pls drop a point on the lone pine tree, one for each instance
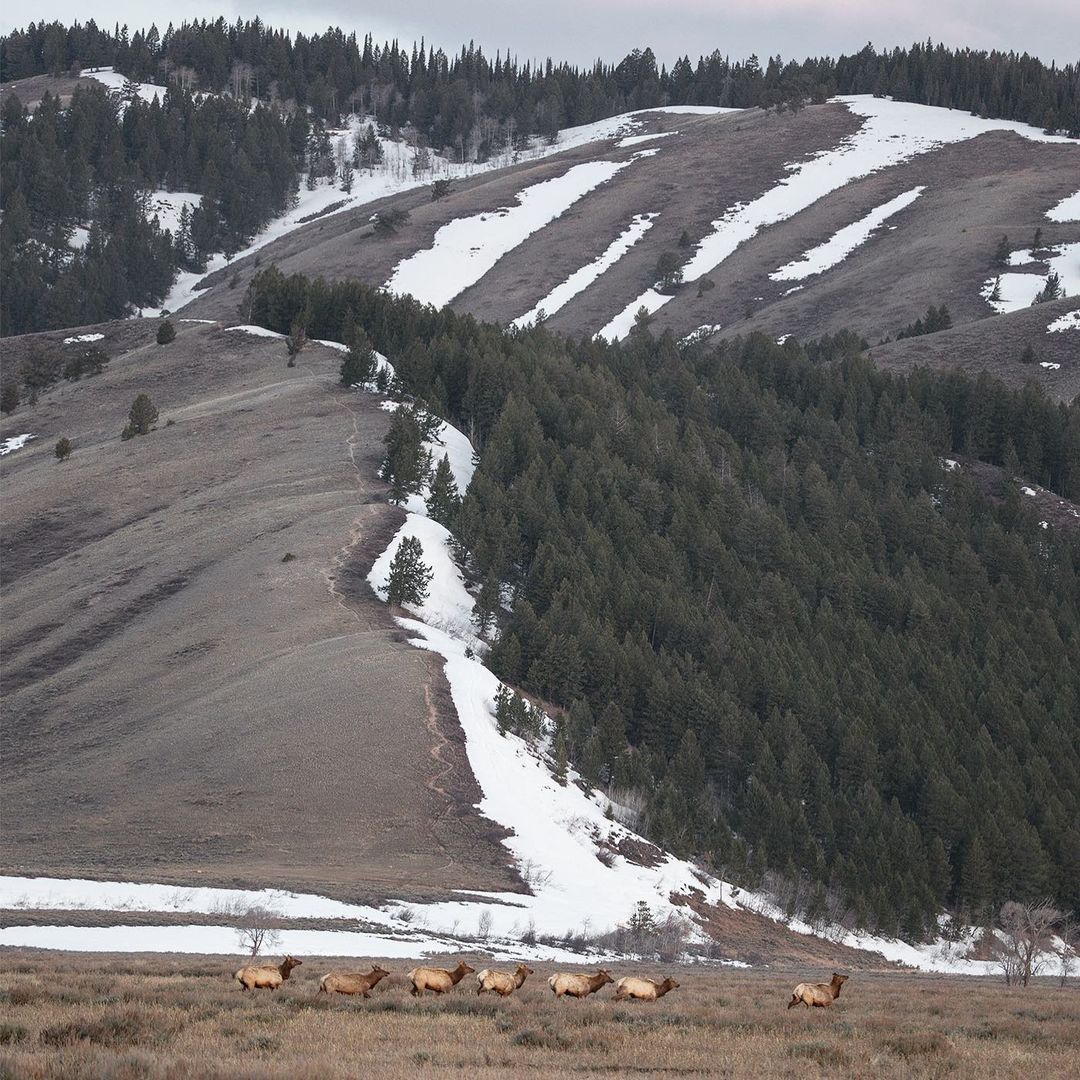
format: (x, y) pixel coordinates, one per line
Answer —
(166, 332)
(410, 576)
(141, 418)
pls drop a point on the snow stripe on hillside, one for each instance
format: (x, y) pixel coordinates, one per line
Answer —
(893, 132)
(465, 249)
(16, 442)
(582, 278)
(844, 241)
(633, 140)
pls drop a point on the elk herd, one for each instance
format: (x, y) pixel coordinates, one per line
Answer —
(504, 983)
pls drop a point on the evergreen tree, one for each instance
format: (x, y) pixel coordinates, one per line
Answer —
(141, 418)
(487, 604)
(410, 576)
(1002, 252)
(166, 332)
(443, 499)
(63, 448)
(9, 396)
(359, 364)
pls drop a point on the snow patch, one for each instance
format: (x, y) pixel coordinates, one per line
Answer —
(843, 242)
(1018, 290)
(465, 249)
(167, 206)
(633, 140)
(16, 442)
(1066, 210)
(79, 238)
(115, 81)
(1069, 321)
(78, 339)
(1049, 365)
(254, 331)
(582, 278)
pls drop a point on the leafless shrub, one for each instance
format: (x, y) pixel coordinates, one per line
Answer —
(483, 929)
(1026, 937)
(256, 925)
(535, 876)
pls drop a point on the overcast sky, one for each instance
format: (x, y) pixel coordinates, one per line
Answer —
(582, 30)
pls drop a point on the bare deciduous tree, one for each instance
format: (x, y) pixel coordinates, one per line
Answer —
(256, 926)
(1026, 938)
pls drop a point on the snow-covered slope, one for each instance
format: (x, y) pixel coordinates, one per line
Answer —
(892, 132)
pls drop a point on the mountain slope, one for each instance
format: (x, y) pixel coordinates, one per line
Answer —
(812, 174)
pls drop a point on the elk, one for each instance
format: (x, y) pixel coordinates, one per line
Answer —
(819, 995)
(267, 977)
(578, 986)
(502, 982)
(643, 989)
(351, 982)
(437, 979)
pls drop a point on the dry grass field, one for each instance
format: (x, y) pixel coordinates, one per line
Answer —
(76, 1016)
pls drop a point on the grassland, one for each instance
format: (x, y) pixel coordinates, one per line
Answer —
(82, 1016)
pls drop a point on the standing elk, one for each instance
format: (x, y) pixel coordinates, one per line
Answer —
(578, 986)
(643, 989)
(266, 977)
(503, 983)
(819, 995)
(351, 982)
(437, 979)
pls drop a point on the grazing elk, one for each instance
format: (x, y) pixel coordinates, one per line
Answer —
(267, 977)
(503, 983)
(819, 995)
(578, 986)
(437, 979)
(643, 989)
(351, 982)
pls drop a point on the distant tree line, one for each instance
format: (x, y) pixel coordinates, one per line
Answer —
(752, 596)
(476, 104)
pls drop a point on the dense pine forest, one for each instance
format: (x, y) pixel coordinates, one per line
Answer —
(91, 165)
(470, 102)
(759, 602)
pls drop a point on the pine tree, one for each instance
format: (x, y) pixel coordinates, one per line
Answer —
(296, 341)
(1002, 252)
(410, 577)
(63, 448)
(487, 604)
(359, 364)
(141, 418)
(561, 756)
(995, 292)
(503, 718)
(1051, 290)
(443, 499)
(166, 332)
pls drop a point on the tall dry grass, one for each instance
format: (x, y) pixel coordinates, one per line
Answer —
(180, 1017)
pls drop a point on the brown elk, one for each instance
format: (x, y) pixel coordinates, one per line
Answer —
(503, 983)
(266, 977)
(437, 979)
(351, 982)
(818, 995)
(643, 989)
(578, 986)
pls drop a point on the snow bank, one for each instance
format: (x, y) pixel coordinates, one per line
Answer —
(80, 338)
(1018, 289)
(115, 81)
(634, 140)
(843, 242)
(1069, 321)
(582, 278)
(254, 331)
(166, 206)
(79, 238)
(1066, 210)
(893, 132)
(16, 442)
(465, 249)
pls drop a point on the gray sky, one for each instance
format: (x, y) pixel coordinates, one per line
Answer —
(582, 30)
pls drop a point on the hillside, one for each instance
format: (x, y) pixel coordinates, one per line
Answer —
(754, 192)
(180, 701)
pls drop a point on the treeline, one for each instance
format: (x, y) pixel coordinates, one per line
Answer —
(93, 165)
(760, 604)
(476, 104)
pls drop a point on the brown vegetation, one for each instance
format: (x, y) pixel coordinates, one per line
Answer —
(344, 982)
(266, 977)
(85, 1017)
(819, 995)
(578, 986)
(438, 980)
